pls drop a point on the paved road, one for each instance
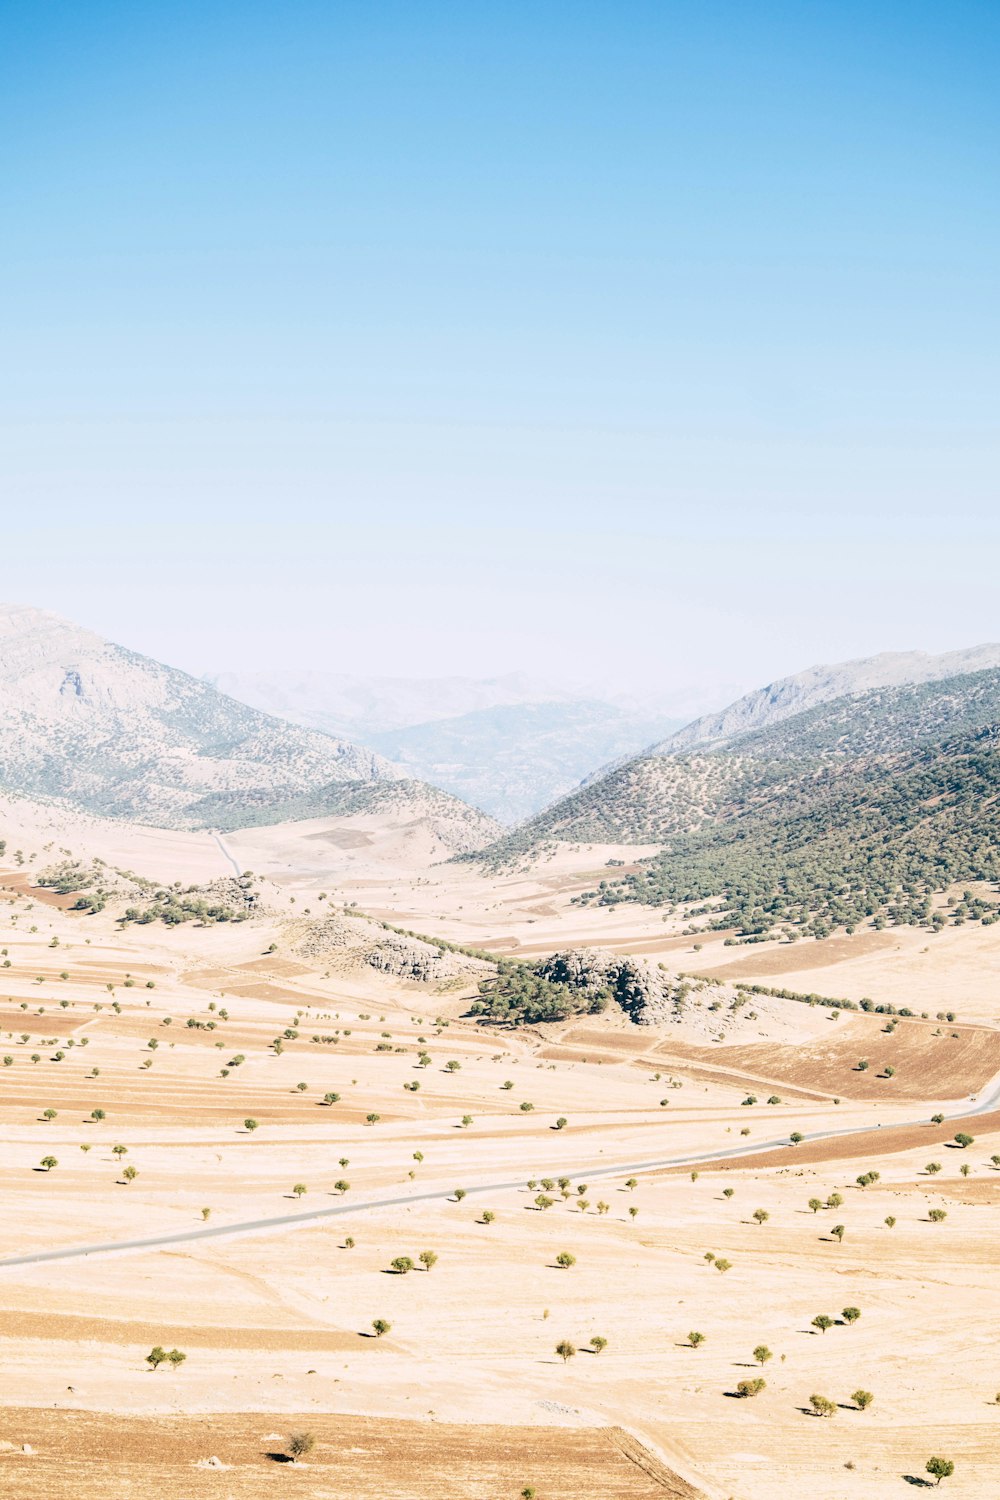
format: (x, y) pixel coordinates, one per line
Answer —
(988, 1099)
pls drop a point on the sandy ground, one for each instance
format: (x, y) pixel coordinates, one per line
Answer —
(277, 1327)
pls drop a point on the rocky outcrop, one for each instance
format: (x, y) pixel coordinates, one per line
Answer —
(649, 994)
(359, 941)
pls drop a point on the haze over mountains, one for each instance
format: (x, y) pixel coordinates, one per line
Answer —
(112, 732)
(510, 745)
(823, 800)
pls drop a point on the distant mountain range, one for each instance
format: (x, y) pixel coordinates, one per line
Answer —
(509, 745)
(826, 799)
(108, 731)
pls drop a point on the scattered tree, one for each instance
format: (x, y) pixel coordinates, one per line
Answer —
(299, 1444)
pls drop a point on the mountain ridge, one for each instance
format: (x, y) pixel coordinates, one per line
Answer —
(109, 731)
(509, 745)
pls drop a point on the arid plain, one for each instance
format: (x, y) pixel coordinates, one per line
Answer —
(464, 1394)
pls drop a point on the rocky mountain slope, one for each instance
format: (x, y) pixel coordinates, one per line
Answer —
(108, 731)
(860, 808)
(805, 690)
(509, 745)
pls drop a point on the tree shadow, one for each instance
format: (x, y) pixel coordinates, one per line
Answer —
(920, 1484)
(281, 1458)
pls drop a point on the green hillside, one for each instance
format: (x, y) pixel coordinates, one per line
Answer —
(873, 837)
(860, 808)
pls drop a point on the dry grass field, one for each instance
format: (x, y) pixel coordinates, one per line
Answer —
(465, 1394)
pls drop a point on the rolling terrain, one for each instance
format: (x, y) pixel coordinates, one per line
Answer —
(486, 1182)
(298, 1118)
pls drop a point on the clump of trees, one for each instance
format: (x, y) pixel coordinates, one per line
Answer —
(519, 995)
(747, 1388)
(159, 1356)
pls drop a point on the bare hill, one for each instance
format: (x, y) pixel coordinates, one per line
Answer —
(108, 731)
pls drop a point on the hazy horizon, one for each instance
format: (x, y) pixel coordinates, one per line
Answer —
(651, 347)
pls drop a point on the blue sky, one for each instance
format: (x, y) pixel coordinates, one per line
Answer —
(624, 342)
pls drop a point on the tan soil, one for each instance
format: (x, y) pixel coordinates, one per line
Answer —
(89, 1456)
(466, 1391)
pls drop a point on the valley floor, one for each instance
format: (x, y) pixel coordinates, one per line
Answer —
(465, 1394)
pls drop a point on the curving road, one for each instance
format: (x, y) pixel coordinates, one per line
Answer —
(987, 1100)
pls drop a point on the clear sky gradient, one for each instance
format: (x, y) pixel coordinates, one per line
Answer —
(639, 343)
